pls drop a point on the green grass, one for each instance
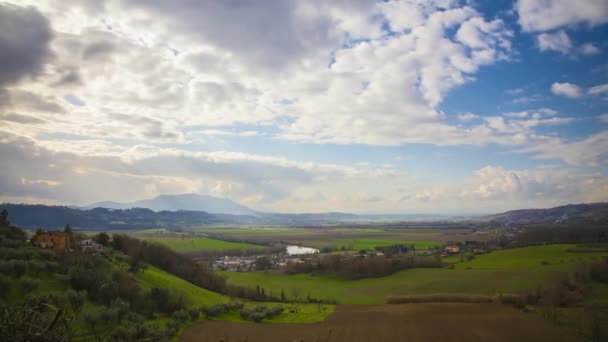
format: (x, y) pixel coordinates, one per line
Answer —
(195, 296)
(505, 271)
(371, 243)
(201, 243)
(409, 282)
(528, 257)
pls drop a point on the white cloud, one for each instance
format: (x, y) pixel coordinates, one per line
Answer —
(546, 15)
(589, 49)
(598, 90)
(566, 89)
(590, 151)
(558, 41)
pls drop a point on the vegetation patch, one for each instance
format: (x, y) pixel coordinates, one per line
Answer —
(189, 244)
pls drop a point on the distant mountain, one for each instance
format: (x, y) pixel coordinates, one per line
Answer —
(592, 212)
(187, 202)
(55, 217)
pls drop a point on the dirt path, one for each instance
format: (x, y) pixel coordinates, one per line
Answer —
(407, 322)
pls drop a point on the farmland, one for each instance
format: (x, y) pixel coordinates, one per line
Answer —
(506, 271)
(349, 239)
(190, 244)
(459, 322)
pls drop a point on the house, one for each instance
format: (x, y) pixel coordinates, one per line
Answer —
(52, 240)
(452, 249)
(89, 245)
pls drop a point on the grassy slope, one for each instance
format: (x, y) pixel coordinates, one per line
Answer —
(505, 271)
(200, 243)
(196, 296)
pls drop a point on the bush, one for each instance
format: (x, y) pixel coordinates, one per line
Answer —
(218, 309)
(181, 315)
(29, 284)
(5, 285)
(261, 312)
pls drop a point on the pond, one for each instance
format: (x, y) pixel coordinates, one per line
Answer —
(298, 250)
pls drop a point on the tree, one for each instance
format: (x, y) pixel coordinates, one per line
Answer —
(67, 229)
(102, 238)
(4, 218)
(263, 263)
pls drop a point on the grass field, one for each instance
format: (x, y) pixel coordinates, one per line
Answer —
(413, 281)
(331, 236)
(196, 296)
(369, 243)
(506, 271)
(528, 257)
(189, 244)
(419, 322)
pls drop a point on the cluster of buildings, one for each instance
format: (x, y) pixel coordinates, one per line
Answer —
(248, 264)
(62, 241)
(235, 264)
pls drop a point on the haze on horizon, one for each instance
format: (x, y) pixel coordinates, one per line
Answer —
(407, 106)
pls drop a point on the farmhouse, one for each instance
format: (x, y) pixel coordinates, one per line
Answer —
(452, 249)
(52, 240)
(89, 245)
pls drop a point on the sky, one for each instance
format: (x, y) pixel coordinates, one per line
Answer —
(409, 106)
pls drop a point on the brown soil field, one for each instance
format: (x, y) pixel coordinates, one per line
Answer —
(404, 322)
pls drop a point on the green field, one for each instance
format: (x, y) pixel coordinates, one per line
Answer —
(528, 257)
(506, 271)
(189, 244)
(370, 243)
(196, 296)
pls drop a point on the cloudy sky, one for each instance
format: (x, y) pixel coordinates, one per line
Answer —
(408, 106)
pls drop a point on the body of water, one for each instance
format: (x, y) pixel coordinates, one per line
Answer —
(298, 250)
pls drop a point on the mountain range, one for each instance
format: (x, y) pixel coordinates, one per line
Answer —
(184, 202)
(126, 216)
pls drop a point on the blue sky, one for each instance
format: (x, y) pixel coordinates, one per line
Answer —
(410, 106)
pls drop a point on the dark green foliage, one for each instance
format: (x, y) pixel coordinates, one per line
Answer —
(5, 285)
(67, 229)
(598, 271)
(194, 314)
(28, 284)
(19, 268)
(181, 315)
(260, 312)
(102, 239)
(170, 261)
(263, 263)
(355, 267)
(166, 301)
(76, 299)
(35, 320)
(215, 310)
(36, 266)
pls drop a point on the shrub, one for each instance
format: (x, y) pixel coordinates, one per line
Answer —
(5, 285)
(181, 315)
(19, 268)
(29, 284)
